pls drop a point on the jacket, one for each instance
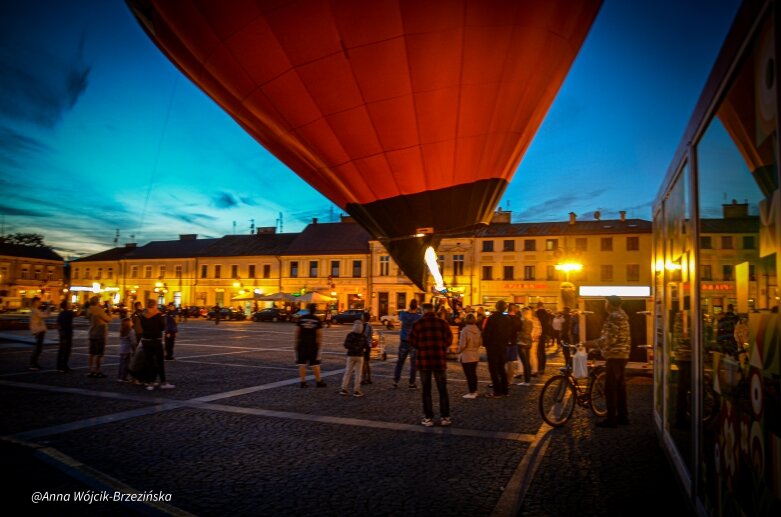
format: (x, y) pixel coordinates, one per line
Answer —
(37, 323)
(431, 337)
(355, 343)
(469, 342)
(98, 321)
(615, 341)
(498, 331)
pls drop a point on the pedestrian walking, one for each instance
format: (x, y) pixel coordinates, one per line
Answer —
(368, 334)
(38, 329)
(126, 339)
(469, 342)
(408, 319)
(431, 337)
(614, 343)
(308, 345)
(171, 328)
(496, 335)
(65, 329)
(355, 344)
(152, 343)
(99, 318)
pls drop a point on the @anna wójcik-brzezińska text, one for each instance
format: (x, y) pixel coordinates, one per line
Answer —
(91, 496)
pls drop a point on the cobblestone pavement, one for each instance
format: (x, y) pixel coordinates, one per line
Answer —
(238, 436)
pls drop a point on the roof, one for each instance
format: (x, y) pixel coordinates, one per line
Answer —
(610, 226)
(244, 245)
(171, 249)
(107, 255)
(32, 252)
(330, 238)
(748, 224)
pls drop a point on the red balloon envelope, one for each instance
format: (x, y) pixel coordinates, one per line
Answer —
(407, 114)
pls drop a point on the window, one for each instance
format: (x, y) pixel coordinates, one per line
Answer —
(550, 273)
(251, 271)
(312, 269)
(633, 272)
(384, 265)
(49, 273)
(706, 243)
(294, 269)
(26, 272)
(529, 245)
(727, 272)
(266, 270)
(606, 244)
(508, 245)
(87, 273)
(488, 272)
(133, 271)
(726, 242)
(632, 243)
(234, 271)
(204, 271)
(581, 244)
(98, 274)
(749, 242)
(707, 272)
(335, 268)
(528, 272)
(162, 272)
(509, 273)
(147, 271)
(217, 271)
(752, 276)
(110, 272)
(75, 275)
(441, 263)
(488, 245)
(356, 268)
(551, 244)
(606, 273)
(458, 265)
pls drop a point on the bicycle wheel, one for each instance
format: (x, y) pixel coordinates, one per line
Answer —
(598, 402)
(557, 401)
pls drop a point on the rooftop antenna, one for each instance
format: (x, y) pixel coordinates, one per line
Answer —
(279, 222)
(234, 227)
(331, 217)
(251, 226)
(116, 238)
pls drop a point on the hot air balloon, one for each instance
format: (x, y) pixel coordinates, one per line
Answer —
(410, 115)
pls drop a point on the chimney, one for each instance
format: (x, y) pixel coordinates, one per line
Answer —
(502, 216)
(622, 213)
(314, 220)
(597, 215)
(572, 218)
(735, 210)
(188, 237)
(265, 230)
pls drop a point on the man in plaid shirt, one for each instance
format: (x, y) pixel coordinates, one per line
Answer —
(431, 337)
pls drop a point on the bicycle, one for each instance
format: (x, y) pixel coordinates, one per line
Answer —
(561, 392)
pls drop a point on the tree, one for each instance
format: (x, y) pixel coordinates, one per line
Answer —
(25, 239)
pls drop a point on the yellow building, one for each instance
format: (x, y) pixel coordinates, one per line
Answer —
(27, 272)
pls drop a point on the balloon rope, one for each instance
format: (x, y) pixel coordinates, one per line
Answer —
(157, 153)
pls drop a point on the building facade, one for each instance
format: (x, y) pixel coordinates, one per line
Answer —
(27, 272)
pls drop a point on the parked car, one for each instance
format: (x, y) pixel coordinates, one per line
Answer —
(348, 316)
(227, 313)
(197, 312)
(270, 314)
(294, 317)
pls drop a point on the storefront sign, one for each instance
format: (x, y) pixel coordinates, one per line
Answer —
(717, 287)
(525, 286)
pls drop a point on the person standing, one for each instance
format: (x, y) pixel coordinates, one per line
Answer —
(556, 324)
(431, 337)
(544, 319)
(217, 314)
(408, 319)
(525, 345)
(496, 336)
(65, 328)
(512, 361)
(38, 330)
(309, 344)
(355, 344)
(125, 348)
(469, 342)
(138, 309)
(614, 343)
(99, 318)
(566, 336)
(368, 333)
(152, 342)
(171, 328)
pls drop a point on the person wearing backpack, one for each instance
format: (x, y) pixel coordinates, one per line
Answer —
(355, 343)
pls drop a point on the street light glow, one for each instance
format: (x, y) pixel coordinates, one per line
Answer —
(569, 266)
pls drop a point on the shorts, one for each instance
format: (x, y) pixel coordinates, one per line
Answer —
(97, 346)
(307, 353)
(512, 353)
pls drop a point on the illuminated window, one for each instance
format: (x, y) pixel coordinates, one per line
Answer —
(551, 244)
(335, 268)
(312, 269)
(294, 269)
(384, 265)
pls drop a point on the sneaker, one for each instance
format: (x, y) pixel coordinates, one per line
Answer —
(427, 422)
(321, 384)
(523, 384)
(469, 396)
(358, 394)
(446, 421)
(167, 386)
(344, 392)
(304, 385)
(413, 386)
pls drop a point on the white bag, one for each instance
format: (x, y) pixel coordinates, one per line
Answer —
(580, 363)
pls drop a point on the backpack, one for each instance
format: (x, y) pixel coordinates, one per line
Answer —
(354, 343)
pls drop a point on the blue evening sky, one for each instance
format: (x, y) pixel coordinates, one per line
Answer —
(99, 132)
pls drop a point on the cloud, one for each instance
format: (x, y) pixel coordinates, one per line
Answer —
(248, 201)
(224, 200)
(555, 207)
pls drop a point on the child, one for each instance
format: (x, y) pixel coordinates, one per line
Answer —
(355, 343)
(125, 348)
